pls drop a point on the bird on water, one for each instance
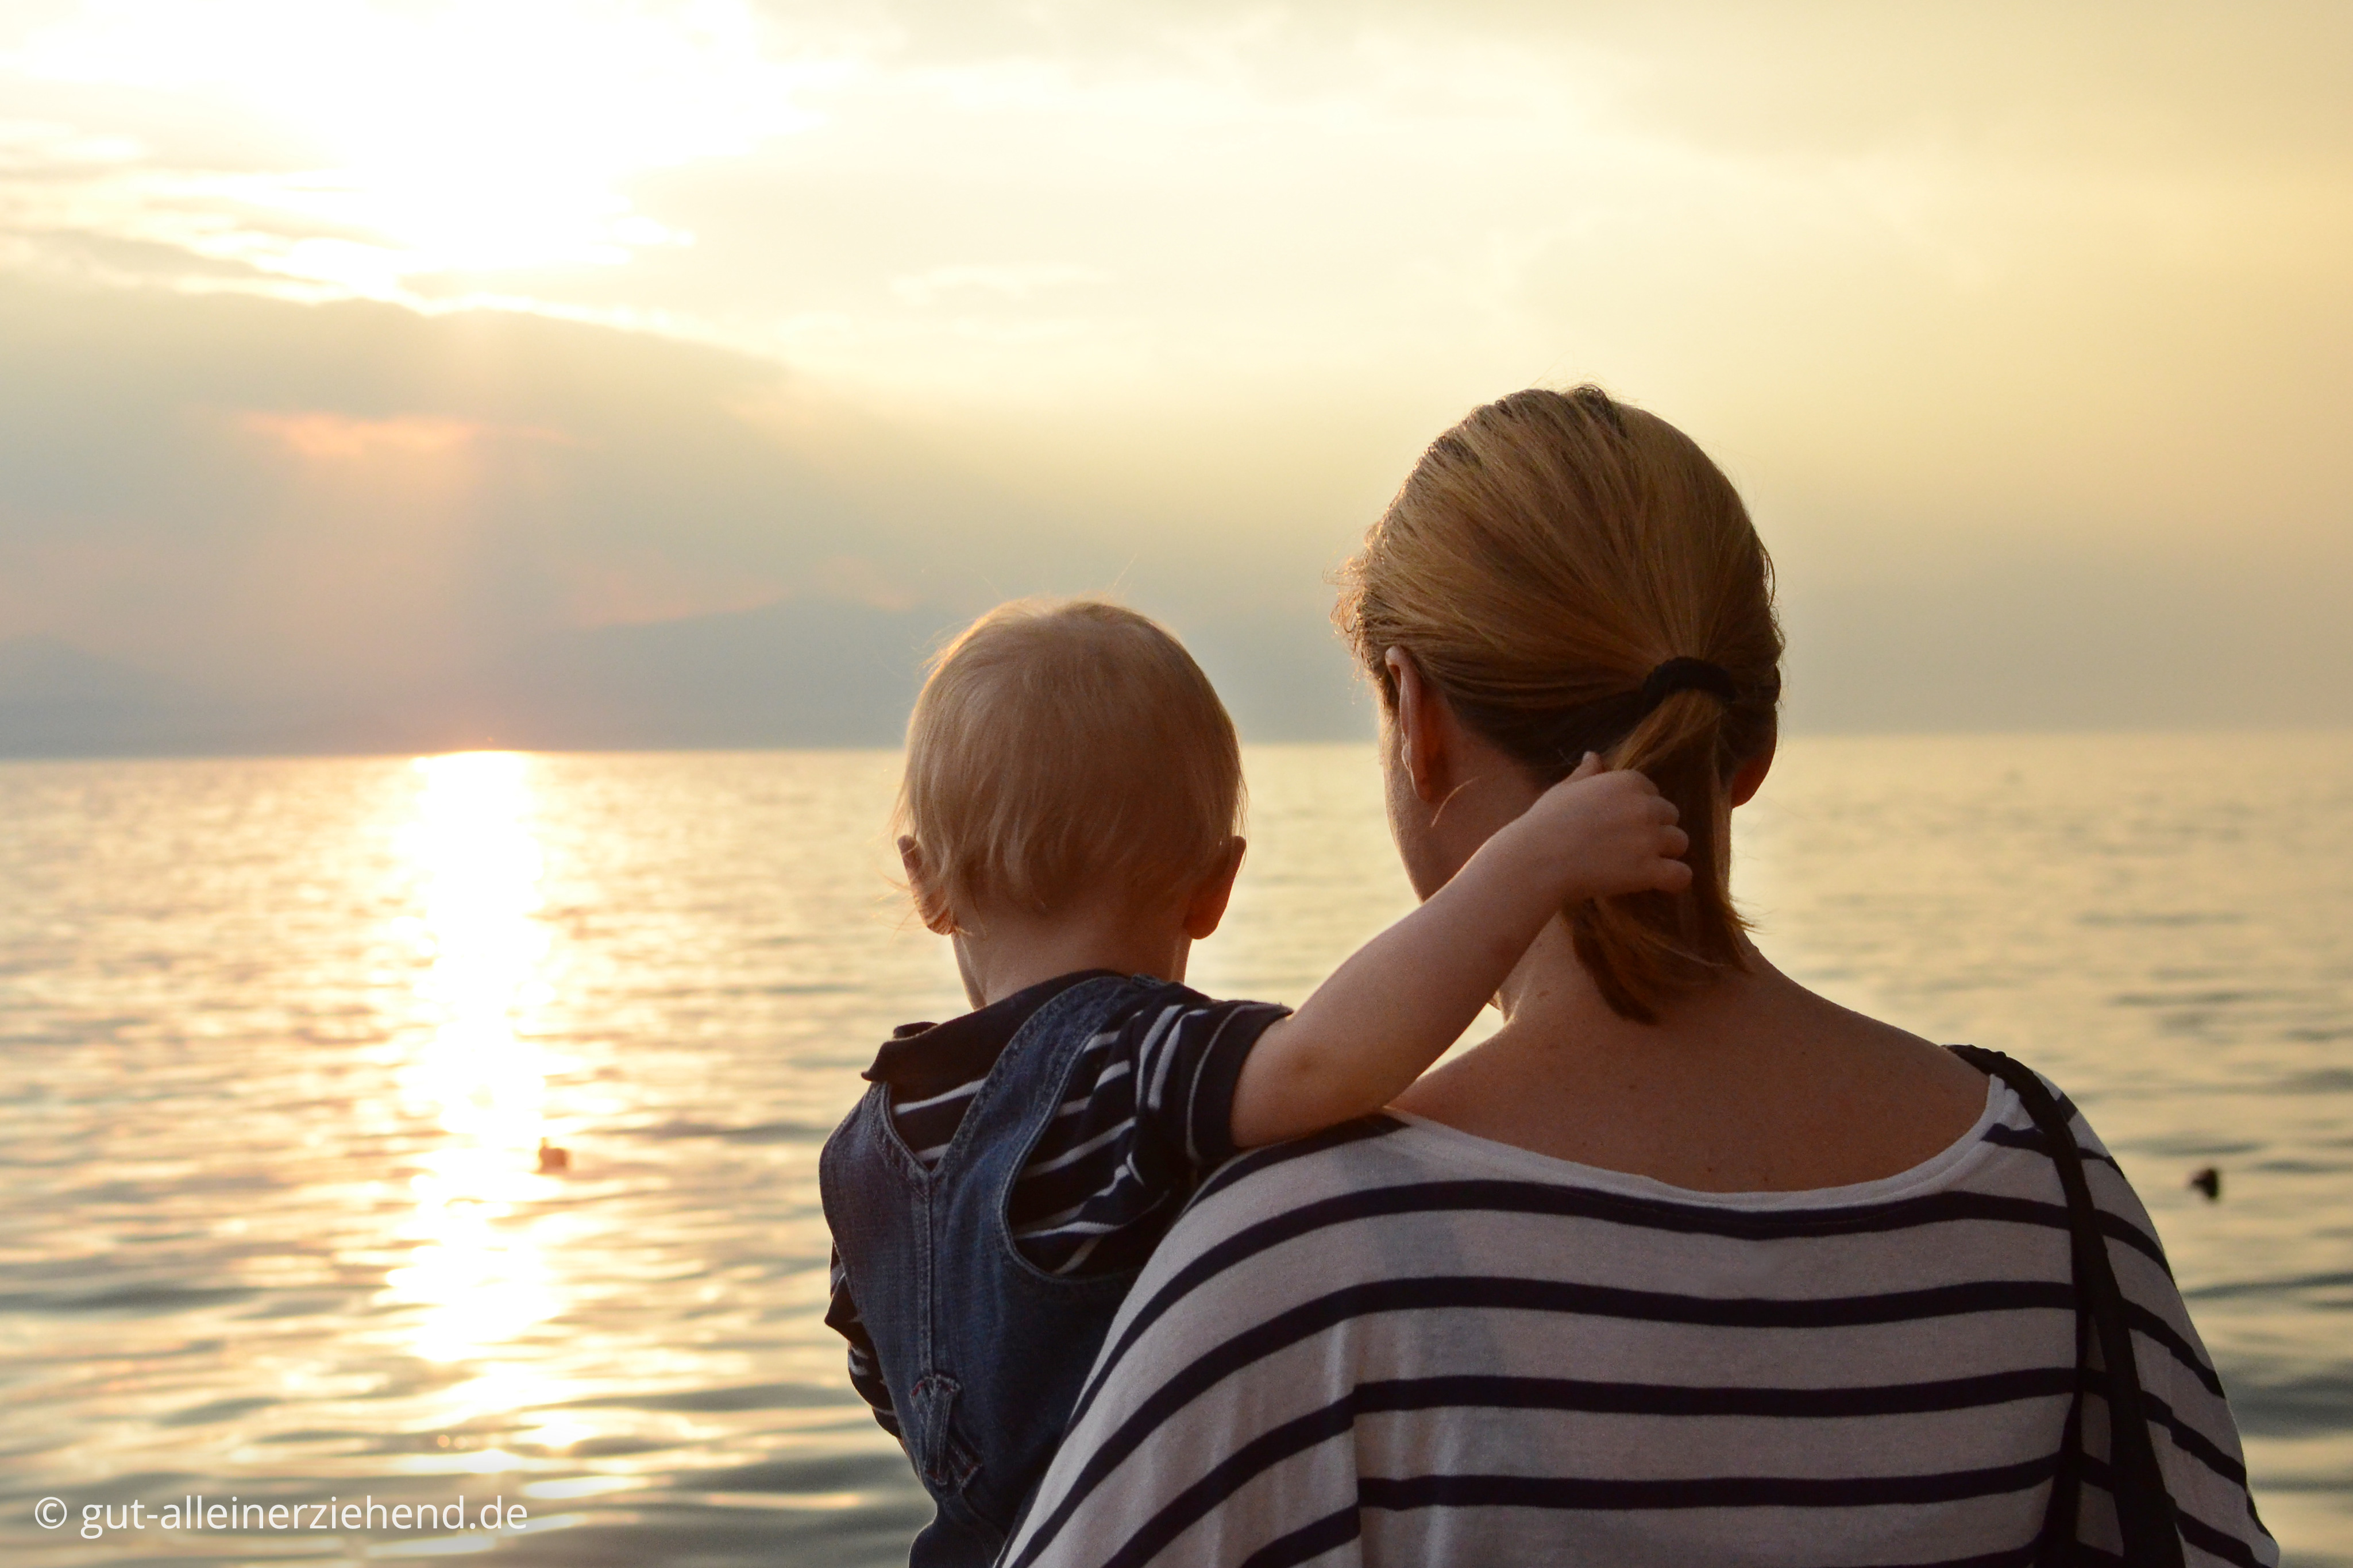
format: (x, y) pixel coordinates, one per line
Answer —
(553, 1159)
(2210, 1181)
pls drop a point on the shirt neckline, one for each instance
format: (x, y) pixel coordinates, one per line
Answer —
(923, 1055)
(1941, 1168)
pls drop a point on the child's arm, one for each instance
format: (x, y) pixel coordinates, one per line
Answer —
(1403, 997)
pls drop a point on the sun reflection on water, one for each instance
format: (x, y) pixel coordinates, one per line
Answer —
(476, 1266)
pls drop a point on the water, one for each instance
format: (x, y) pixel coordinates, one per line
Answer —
(279, 1040)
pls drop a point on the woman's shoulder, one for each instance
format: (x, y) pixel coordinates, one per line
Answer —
(1770, 1088)
(1395, 1281)
(1350, 1169)
(1397, 1195)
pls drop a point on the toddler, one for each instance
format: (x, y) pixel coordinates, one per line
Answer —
(1069, 807)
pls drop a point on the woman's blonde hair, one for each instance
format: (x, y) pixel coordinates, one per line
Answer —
(1059, 751)
(1543, 559)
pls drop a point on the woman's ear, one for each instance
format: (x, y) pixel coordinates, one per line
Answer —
(929, 906)
(1750, 776)
(1418, 726)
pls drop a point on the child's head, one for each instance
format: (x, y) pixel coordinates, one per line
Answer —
(1063, 753)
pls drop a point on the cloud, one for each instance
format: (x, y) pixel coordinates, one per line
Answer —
(331, 437)
(354, 525)
(1019, 282)
(2022, 330)
(248, 470)
(386, 151)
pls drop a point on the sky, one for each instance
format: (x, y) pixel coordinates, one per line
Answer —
(376, 376)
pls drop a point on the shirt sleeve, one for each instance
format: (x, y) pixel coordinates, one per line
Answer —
(1147, 1112)
(865, 1372)
(1189, 1053)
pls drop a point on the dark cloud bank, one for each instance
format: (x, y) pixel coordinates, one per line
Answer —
(812, 673)
(178, 574)
(176, 578)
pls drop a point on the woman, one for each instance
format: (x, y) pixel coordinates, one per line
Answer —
(1686, 1264)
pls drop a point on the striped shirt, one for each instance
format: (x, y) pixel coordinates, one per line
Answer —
(1148, 1111)
(1399, 1343)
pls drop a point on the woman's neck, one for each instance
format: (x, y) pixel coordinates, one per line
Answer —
(1753, 1083)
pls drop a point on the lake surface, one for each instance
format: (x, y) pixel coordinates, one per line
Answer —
(279, 1040)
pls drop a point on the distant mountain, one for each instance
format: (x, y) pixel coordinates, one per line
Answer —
(807, 672)
(803, 673)
(57, 701)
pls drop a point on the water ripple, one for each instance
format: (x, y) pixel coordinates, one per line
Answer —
(278, 1041)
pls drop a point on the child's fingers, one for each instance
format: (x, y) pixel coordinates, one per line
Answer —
(1589, 765)
(1640, 801)
(1674, 876)
(1643, 788)
(1633, 779)
(1674, 842)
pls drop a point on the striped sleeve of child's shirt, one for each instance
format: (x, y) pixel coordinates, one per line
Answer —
(1148, 1110)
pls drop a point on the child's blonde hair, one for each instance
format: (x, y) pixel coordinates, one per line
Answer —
(1059, 749)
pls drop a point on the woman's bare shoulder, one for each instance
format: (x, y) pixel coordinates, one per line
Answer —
(1799, 1094)
(1898, 1066)
(1835, 1097)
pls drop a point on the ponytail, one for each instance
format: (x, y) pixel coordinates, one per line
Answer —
(1575, 575)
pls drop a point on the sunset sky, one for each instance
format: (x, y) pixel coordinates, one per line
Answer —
(349, 346)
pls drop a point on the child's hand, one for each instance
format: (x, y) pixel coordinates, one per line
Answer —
(1406, 995)
(1604, 832)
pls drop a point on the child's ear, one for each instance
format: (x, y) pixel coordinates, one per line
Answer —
(1206, 907)
(929, 907)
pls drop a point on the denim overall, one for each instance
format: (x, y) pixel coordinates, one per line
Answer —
(984, 1353)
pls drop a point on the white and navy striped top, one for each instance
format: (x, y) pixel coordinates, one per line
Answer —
(1397, 1344)
(1148, 1111)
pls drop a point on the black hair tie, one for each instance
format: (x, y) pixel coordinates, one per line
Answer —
(1555, 741)
(1689, 675)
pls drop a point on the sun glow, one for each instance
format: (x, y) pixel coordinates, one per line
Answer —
(477, 1264)
(411, 142)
